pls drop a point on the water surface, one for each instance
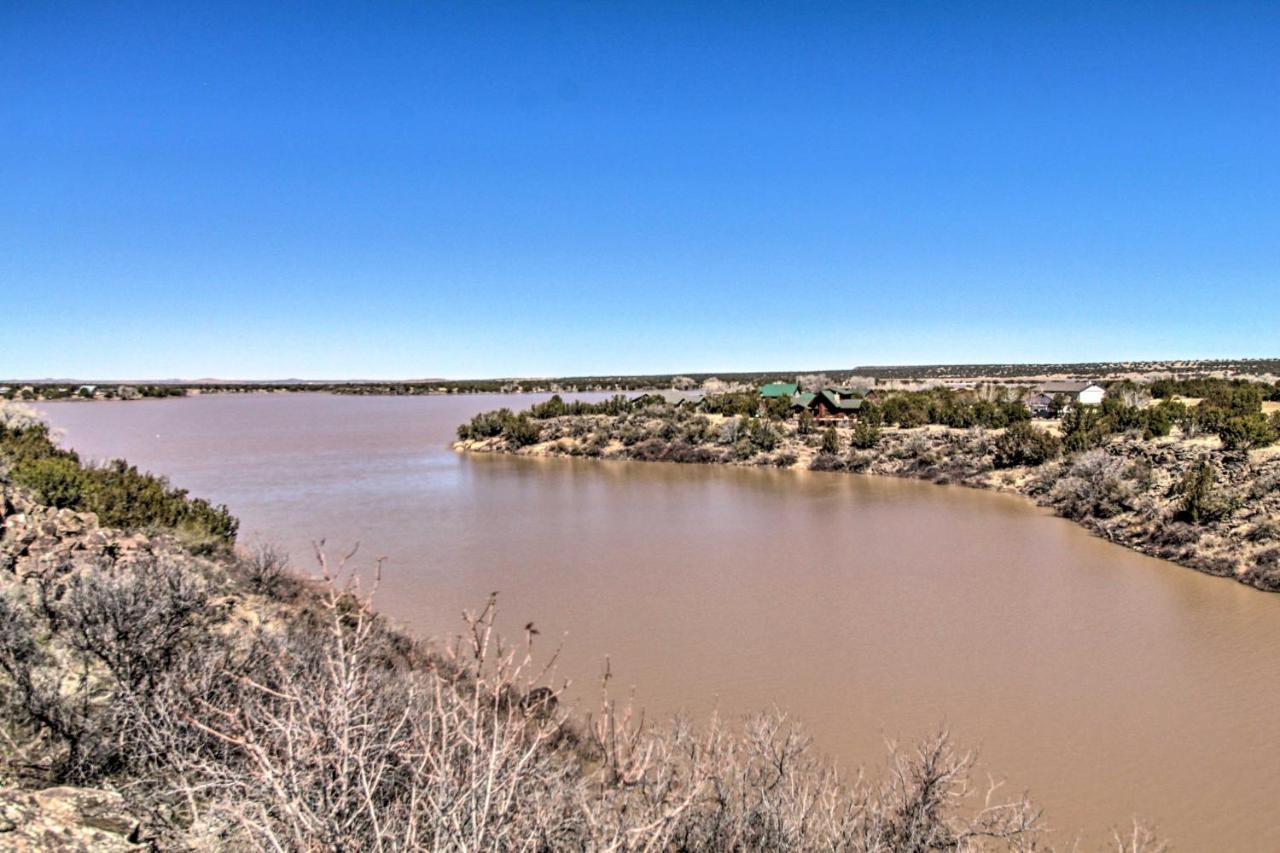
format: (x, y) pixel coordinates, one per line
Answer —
(1105, 682)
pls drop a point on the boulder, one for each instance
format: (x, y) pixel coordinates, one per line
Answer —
(71, 819)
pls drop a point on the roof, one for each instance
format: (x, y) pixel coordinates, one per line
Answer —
(832, 400)
(844, 392)
(804, 398)
(1066, 387)
(778, 389)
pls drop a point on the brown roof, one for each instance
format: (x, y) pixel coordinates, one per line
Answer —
(1065, 387)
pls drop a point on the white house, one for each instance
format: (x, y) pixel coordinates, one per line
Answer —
(1084, 393)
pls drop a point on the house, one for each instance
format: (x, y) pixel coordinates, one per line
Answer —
(837, 403)
(1041, 405)
(778, 389)
(1084, 393)
(830, 402)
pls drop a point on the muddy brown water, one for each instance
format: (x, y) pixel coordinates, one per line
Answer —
(1106, 683)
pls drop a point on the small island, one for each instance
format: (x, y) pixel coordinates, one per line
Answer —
(1182, 469)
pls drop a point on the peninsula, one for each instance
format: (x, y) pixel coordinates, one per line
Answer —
(1186, 470)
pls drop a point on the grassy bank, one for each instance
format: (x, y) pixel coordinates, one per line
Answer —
(1199, 486)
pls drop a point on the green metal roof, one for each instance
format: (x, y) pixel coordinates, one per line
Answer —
(804, 398)
(831, 397)
(848, 391)
(778, 389)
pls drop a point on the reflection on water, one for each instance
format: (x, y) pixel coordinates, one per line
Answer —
(1103, 681)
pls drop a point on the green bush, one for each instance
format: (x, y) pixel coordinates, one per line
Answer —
(865, 435)
(521, 431)
(124, 497)
(120, 495)
(764, 436)
(830, 441)
(485, 425)
(57, 481)
(1162, 417)
(556, 407)
(777, 408)
(1200, 500)
(946, 407)
(744, 403)
(1023, 444)
(1083, 428)
(1242, 432)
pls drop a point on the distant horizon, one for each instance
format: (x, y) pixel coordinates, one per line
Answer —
(1156, 364)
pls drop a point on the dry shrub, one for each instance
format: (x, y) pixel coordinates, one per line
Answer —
(1139, 839)
(1264, 485)
(827, 462)
(19, 416)
(1264, 571)
(45, 716)
(1094, 485)
(335, 749)
(784, 459)
(90, 662)
(1264, 531)
(137, 621)
(265, 568)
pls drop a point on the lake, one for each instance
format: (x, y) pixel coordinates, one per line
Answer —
(1104, 682)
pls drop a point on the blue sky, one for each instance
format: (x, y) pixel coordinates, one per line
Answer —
(472, 189)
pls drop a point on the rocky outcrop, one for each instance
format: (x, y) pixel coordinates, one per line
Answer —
(67, 819)
(43, 552)
(34, 538)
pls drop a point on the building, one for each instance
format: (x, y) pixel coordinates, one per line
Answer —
(837, 403)
(1083, 393)
(778, 389)
(1041, 405)
(830, 403)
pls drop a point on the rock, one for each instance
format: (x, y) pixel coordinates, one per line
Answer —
(72, 819)
(136, 542)
(70, 523)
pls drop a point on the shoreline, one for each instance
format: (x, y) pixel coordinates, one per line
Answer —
(1141, 474)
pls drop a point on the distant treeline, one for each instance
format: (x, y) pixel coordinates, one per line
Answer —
(1083, 370)
(62, 391)
(1185, 378)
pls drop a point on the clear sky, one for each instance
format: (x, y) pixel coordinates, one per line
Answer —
(472, 189)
